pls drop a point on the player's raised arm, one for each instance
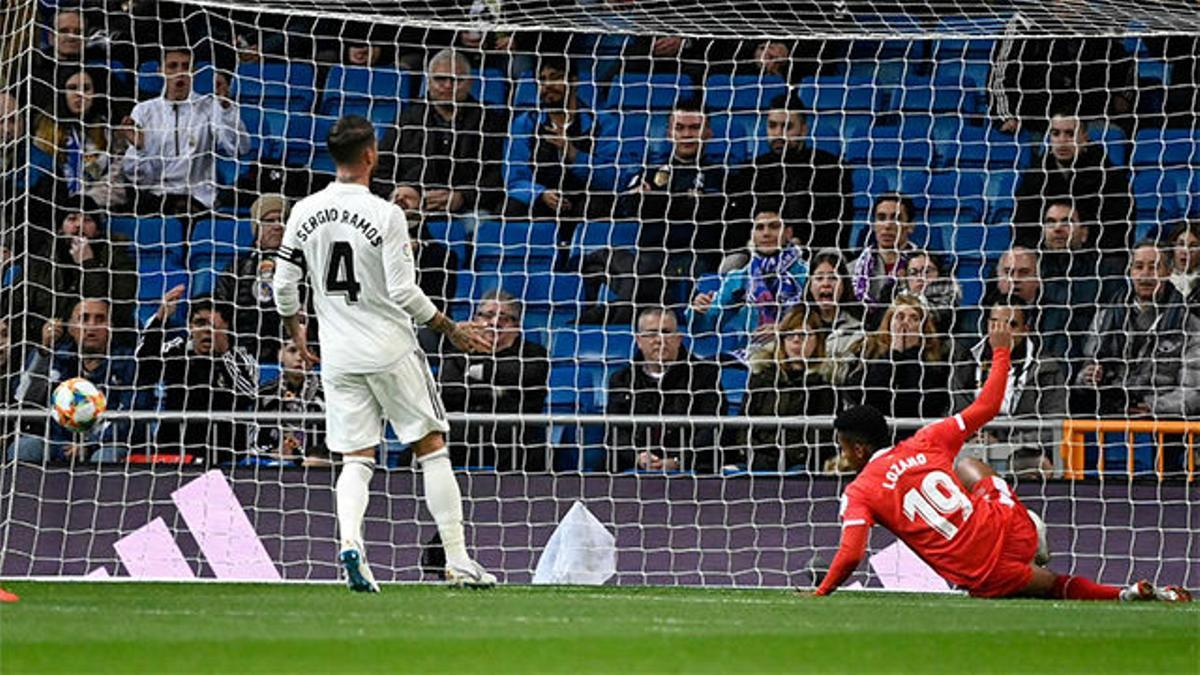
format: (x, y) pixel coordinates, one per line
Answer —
(987, 406)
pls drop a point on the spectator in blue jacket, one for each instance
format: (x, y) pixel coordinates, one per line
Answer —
(83, 351)
(555, 163)
(752, 298)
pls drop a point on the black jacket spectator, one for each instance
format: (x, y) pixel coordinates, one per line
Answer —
(1030, 76)
(779, 392)
(291, 441)
(200, 372)
(512, 380)
(688, 386)
(812, 183)
(426, 151)
(1100, 192)
(83, 262)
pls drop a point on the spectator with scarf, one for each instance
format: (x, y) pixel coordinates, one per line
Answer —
(76, 132)
(876, 270)
(753, 298)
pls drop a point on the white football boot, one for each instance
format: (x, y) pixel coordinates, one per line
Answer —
(1042, 557)
(469, 576)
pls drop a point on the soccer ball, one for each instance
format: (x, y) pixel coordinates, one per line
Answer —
(78, 404)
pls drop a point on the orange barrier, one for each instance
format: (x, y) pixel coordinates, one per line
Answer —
(1074, 430)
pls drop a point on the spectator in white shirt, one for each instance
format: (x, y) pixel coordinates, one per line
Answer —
(174, 141)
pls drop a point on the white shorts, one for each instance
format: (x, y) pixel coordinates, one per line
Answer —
(406, 396)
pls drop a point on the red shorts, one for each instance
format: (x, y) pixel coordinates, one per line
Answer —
(1012, 571)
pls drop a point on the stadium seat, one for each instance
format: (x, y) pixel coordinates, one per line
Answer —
(841, 94)
(515, 246)
(158, 241)
(535, 289)
(734, 382)
(932, 96)
(730, 93)
(490, 87)
(734, 140)
(593, 344)
(577, 387)
(596, 234)
(305, 141)
(642, 92)
(453, 233)
(374, 93)
(906, 144)
(1116, 145)
(830, 131)
(1163, 195)
(216, 242)
(290, 86)
(968, 48)
(1166, 148)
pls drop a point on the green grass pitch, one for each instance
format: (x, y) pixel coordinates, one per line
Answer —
(229, 628)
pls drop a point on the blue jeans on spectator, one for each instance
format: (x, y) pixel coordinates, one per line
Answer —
(35, 449)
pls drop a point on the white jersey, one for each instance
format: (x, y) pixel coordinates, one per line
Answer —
(356, 250)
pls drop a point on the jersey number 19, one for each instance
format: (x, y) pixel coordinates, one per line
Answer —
(938, 497)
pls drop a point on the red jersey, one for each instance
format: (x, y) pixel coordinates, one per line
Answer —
(913, 491)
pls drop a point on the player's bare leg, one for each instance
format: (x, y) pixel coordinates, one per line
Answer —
(353, 493)
(444, 500)
(970, 471)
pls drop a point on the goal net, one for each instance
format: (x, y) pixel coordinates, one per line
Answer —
(693, 231)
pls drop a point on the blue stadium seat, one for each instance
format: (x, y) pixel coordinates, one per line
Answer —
(374, 93)
(1166, 148)
(596, 345)
(841, 94)
(577, 387)
(999, 191)
(970, 75)
(596, 234)
(930, 96)
(305, 141)
(490, 87)
(906, 144)
(158, 241)
(734, 383)
(642, 92)
(290, 86)
(734, 139)
(216, 242)
(1163, 195)
(968, 48)
(729, 93)
(453, 233)
(830, 131)
(515, 246)
(535, 289)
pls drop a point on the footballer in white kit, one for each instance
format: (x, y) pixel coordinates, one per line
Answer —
(355, 251)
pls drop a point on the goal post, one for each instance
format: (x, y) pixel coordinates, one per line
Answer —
(564, 167)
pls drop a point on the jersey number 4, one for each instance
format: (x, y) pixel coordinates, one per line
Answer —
(339, 273)
(938, 497)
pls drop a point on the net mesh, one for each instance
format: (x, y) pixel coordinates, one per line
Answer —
(826, 199)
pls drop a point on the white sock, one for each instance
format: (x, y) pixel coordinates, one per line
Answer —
(353, 492)
(444, 501)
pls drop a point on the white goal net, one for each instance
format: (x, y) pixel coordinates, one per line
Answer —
(694, 232)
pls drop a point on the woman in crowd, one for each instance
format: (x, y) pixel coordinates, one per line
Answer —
(902, 367)
(834, 308)
(76, 132)
(792, 380)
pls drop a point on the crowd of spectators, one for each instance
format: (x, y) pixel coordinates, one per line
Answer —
(761, 252)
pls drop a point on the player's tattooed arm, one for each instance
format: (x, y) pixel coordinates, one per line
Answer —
(464, 336)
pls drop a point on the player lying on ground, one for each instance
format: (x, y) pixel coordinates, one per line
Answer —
(965, 523)
(361, 271)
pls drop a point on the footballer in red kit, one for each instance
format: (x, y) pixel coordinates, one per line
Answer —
(960, 517)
